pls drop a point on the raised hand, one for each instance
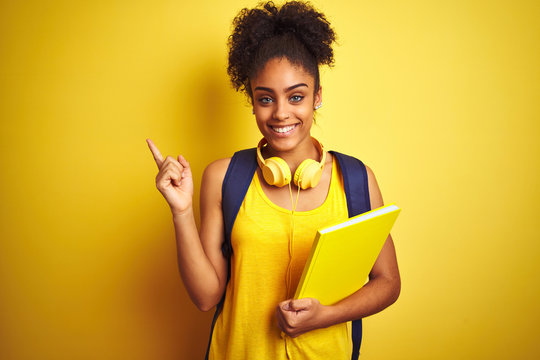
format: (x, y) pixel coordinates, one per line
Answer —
(174, 180)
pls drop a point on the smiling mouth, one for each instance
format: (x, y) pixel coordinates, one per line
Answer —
(283, 129)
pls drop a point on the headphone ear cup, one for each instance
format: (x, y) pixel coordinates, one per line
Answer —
(308, 174)
(276, 172)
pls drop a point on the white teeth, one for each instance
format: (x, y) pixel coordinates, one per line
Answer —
(283, 129)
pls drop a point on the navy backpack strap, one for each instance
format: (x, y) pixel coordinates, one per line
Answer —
(235, 186)
(355, 182)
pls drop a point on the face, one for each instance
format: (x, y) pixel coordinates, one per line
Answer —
(283, 102)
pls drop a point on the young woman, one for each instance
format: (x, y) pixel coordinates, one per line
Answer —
(274, 55)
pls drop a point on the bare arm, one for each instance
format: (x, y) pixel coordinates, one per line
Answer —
(298, 316)
(207, 287)
(202, 266)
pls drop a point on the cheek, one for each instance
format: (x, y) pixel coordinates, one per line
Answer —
(260, 123)
(305, 113)
(263, 113)
(308, 123)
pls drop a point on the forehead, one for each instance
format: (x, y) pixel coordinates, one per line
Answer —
(281, 73)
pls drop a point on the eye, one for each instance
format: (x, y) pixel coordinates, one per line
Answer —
(296, 98)
(265, 100)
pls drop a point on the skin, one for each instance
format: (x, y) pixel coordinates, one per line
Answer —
(283, 98)
(281, 101)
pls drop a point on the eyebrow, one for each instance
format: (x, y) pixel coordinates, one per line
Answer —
(286, 90)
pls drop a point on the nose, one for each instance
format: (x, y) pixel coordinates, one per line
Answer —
(281, 111)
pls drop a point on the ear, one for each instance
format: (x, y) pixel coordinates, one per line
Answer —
(317, 98)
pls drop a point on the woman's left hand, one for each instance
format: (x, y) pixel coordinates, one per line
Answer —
(296, 317)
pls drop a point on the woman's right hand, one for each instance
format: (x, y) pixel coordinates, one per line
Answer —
(174, 180)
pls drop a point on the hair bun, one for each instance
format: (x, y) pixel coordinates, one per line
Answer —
(267, 31)
(309, 26)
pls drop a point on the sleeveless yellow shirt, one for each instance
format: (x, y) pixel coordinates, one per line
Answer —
(247, 327)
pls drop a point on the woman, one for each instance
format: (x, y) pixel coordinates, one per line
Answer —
(274, 55)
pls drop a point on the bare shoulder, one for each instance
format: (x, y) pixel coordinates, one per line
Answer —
(213, 176)
(370, 174)
(329, 159)
(375, 195)
(217, 168)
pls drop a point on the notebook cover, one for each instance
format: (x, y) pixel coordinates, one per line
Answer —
(340, 260)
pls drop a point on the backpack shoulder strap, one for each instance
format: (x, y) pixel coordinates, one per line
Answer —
(355, 182)
(235, 186)
(233, 190)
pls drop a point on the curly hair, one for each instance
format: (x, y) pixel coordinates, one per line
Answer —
(295, 31)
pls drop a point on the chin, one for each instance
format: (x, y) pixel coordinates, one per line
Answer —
(285, 144)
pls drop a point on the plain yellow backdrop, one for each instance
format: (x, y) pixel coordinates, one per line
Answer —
(439, 98)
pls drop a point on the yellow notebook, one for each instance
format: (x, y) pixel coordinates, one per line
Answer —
(342, 255)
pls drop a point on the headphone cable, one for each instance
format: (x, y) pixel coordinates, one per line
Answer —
(294, 204)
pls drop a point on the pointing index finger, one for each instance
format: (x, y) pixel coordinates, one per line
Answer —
(155, 152)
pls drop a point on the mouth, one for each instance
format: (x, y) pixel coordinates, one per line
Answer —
(283, 129)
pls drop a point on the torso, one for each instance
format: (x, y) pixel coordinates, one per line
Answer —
(246, 327)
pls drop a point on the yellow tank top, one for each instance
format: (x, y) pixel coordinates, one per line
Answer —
(247, 327)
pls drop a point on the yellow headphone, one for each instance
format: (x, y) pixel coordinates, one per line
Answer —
(276, 171)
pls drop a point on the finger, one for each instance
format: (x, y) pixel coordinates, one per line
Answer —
(284, 305)
(173, 175)
(299, 304)
(280, 319)
(158, 158)
(286, 321)
(170, 161)
(185, 164)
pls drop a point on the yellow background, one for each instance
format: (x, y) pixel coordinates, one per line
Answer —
(440, 98)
